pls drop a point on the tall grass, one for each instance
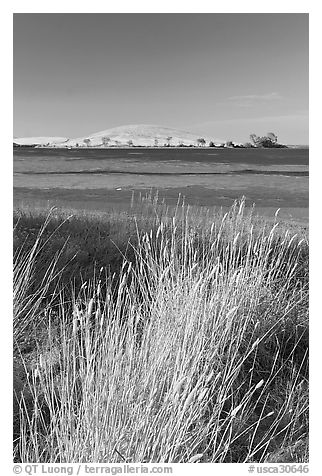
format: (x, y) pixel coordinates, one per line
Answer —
(199, 354)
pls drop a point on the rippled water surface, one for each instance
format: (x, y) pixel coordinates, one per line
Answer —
(95, 178)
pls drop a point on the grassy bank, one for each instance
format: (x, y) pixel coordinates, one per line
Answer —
(159, 336)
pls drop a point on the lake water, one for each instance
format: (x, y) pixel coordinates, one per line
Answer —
(97, 179)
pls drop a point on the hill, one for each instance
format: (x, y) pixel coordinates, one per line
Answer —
(139, 135)
(38, 140)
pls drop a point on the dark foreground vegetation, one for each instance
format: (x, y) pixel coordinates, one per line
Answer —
(159, 336)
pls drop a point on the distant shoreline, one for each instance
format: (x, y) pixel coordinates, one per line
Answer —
(155, 148)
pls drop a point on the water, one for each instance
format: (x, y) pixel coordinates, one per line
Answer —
(99, 178)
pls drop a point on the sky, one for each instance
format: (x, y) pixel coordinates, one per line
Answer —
(221, 75)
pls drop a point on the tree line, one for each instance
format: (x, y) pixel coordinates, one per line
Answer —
(268, 141)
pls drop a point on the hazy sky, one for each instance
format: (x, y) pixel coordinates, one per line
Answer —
(223, 75)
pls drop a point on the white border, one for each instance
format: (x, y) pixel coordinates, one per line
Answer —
(165, 6)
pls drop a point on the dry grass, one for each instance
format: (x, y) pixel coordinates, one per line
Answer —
(195, 352)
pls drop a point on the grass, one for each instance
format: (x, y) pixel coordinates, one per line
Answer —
(160, 336)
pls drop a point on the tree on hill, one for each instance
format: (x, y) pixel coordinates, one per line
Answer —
(169, 140)
(268, 141)
(254, 139)
(201, 142)
(87, 142)
(130, 143)
(265, 142)
(156, 142)
(272, 137)
(106, 140)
